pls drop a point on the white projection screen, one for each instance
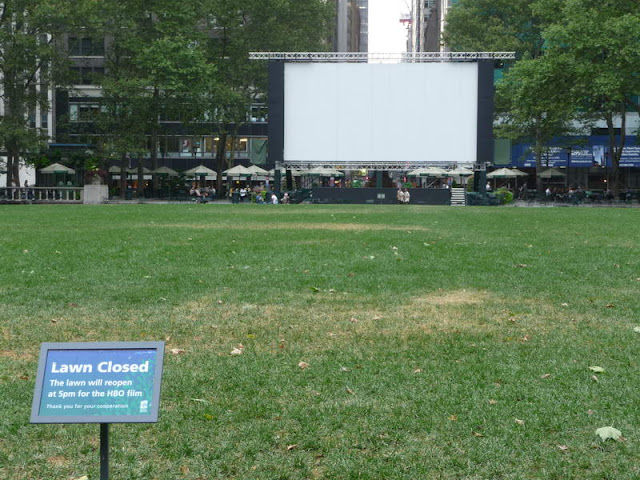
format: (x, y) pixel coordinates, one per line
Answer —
(358, 113)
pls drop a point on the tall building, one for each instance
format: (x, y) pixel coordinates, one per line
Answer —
(363, 8)
(351, 26)
(427, 23)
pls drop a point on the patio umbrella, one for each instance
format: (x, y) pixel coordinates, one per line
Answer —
(507, 173)
(258, 173)
(256, 170)
(201, 171)
(57, 168)
(165, 171)
(418, 172)
(461, 172)
(238, 171)
(552, 172)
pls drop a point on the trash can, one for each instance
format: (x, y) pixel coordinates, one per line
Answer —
(235, 197)
(129, 193)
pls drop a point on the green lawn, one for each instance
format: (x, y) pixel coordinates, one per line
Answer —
(444, 343)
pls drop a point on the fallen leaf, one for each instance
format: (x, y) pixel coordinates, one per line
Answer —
(590, 412)
(453, 418)
(238, 349)
(594, 378)
(219, 302)
(610, 305)
(605, 433)
(353, 320)
(476, 434)
(176, 351)
(23, 377)
(25, 251)
(84, 477)
(351, 274)
(53, 320)
(565, 304)
(344, 369)
(314, 289)
(208, 416)
(636, 329)
(201, 400)
(522, 265)
(380, 317)
(546, 375)
(291, 447)
(417, 370)
(564, 448)
(519, 422)
(303, 365)
(350, 391)
(492, 402)
(597, 369)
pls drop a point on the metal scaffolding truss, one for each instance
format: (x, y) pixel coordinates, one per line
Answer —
(397, 166)
(363, 57)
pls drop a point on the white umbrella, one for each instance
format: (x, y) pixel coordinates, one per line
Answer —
(238, 171)
(461, 172)
(256, 170)
(552, 172)
(201, 171)
(507, 173)
(57, 168)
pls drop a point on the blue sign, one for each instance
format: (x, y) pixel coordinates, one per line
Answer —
(524, 156)
(98, 382)
(581, 157)
(587, 151)
(630, 156)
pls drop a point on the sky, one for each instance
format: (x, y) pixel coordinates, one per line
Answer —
(386, 33)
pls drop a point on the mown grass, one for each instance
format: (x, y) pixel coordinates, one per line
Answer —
(428, 332)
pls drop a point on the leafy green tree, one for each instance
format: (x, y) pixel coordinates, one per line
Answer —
(494, 25)
(238, 27)
(536, 101)
(30, 64)
(156, 69)
(600, 42)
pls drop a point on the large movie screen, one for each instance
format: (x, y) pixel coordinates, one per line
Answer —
(345, 113)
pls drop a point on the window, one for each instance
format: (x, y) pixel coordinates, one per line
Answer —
(86, 47)
(84, 112)
(87, 75)
(259, 113)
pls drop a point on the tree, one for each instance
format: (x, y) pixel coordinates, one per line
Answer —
(600, 42)
(536, 99)
(156, 69)
(494, 25)
(240, 26)
(31, 63)
(531, 98)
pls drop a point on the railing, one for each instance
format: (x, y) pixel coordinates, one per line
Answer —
(41, 195)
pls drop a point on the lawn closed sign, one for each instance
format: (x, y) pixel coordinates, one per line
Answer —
(98, 382)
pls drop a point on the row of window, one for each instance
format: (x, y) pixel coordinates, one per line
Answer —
(87, 111)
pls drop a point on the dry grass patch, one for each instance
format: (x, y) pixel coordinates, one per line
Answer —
(346, 227)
